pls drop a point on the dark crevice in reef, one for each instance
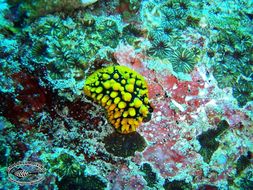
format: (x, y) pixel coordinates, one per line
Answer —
(246, 181)
(149, 176)
(207, 187)
(81, 183)
(176, 184)
(124, 145)
(3, 158)
(207, 140)
(242, 163)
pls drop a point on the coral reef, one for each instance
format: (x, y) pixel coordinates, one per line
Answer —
(242, 91)
(128, 9)
(124, 94)
(124, 145)
(65, 165)
(232, 54)
(149, 175)
(187, 62)
(242, 163)
(80, 182)
(183, 60)
(209, 145)
(159, 46)
(246, 181)
(41, 8)
(180, 185)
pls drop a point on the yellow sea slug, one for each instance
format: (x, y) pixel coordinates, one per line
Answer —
(115, 88)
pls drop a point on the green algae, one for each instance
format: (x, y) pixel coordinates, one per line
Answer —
(65, 165)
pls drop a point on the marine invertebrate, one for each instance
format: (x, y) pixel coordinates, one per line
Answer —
(39, 50)
(64, 57)
(159, 45)
(124, 94)
(183, 4)
(233, 51)
(69, 173)
(192, 21)
(168, 28)
(226, 75)
(242, 91)
(183, 60)
(131, 33)
(175, 12)
(108, 30)
(49, 25)
(238, 56)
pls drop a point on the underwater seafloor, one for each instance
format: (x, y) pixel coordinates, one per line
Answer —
(197, 60)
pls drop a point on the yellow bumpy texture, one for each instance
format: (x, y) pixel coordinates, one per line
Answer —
(124, 94)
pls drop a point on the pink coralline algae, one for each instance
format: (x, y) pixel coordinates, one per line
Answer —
(182, 111)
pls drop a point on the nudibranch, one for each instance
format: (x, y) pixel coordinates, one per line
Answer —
(123, 93)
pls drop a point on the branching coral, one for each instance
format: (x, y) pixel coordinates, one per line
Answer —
(123, 93)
